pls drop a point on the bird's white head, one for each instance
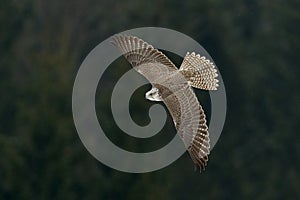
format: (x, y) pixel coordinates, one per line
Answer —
(153, 95)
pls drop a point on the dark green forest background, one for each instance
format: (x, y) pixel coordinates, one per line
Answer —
(255, 44)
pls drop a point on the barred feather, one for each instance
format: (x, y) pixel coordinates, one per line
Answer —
(199, 71)
(174, 88)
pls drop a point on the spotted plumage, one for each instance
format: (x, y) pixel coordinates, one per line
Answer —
(173, 86)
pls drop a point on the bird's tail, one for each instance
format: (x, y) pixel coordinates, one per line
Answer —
(199, 72)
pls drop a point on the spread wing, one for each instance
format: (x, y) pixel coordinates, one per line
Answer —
(177, 95)
(189, 120)
(199, 71)
(147, 60)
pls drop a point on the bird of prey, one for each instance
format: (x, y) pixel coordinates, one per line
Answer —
(173, 87)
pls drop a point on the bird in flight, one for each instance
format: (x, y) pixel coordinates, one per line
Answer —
(173, 87)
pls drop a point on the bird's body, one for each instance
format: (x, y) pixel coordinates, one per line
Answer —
(173, 86)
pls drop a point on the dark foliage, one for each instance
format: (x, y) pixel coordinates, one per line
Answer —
(255, 45)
